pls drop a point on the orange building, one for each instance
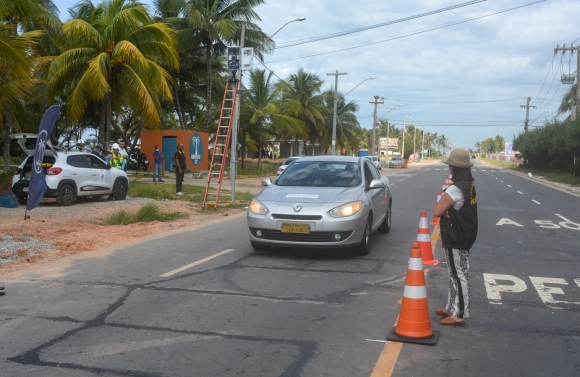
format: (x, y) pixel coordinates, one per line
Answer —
(195, 147)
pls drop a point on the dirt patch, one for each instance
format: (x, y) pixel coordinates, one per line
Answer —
(54, 232)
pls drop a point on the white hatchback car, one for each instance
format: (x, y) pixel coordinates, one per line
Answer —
(287, 162)
(68, 174)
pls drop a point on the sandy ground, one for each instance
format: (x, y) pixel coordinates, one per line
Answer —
(77, 229)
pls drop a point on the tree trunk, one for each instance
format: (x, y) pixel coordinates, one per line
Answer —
(260, 144)
(208, 82)
(178, 105)
(7, 128)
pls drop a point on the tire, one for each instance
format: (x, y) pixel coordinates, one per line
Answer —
(385, 227)
(66, 196)
(22, 200)
(365, 246)
(259, 246)
(120, 190)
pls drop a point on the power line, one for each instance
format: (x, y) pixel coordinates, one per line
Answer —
(409, 34)
(358, 30)
(456, 102)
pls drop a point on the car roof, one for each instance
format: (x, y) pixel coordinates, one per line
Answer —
(331, 158)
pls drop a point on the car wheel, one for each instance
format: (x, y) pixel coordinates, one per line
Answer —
(22, 200)
(386, 225)
(259, 246)
(120, 190)
(365, 246)
(66, 196)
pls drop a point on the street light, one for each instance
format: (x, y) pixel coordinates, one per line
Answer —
(388, 114)
(415, 141)
(336, 74)
(336, 101)
(236, 125)
(283, 26)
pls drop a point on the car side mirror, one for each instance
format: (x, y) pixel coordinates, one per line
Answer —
(266, 181)
(376, 184)
(108, 167)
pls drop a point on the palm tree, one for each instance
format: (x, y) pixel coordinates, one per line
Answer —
(20, 21)
(261, 101)
(348, 129)
(568, 100)
(114, 59)
(301, 100)
(217, 23)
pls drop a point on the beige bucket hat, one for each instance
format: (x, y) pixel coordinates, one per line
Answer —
(458, 157)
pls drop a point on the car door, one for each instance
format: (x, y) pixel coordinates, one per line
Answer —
(102, 177)
(376, 197)
(80, 173)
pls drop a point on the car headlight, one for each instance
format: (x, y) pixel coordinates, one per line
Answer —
(347, 209)
(257, 207)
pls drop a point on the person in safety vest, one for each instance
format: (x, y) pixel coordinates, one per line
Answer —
(79, 146)
(116, 159)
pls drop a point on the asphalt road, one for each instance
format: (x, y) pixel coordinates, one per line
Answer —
(203, 303)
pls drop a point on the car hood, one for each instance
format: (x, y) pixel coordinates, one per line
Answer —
(27, 142)
(310, 194)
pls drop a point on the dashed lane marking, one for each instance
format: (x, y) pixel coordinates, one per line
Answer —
(509, 185)
(519, 192)
(177, 270)
(535, 201)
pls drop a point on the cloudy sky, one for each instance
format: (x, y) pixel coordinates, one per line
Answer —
(462, 72)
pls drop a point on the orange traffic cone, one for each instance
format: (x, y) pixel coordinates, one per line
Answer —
(414, 325)
(436, 218)
(445, 184)
(425, 241)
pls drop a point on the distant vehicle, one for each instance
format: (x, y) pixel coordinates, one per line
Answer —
(396, 162)
(69, 175)
(287, 162)
(377, 162)
(473, 156)
(324, 201)
(363, 152)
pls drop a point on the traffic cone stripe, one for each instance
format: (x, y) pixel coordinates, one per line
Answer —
(416, 264)
(423, 237)
(415, 278)
(414, 292)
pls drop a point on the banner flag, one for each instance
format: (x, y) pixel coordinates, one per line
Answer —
(37, 186)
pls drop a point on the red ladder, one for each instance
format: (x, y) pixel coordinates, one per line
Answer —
(221, 143)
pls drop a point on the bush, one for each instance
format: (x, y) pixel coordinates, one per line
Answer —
(147, 213)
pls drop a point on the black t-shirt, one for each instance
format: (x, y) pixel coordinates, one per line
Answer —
(179, 158)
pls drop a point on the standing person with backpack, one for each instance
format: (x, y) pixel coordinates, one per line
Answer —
(179, 158)
(457, 209)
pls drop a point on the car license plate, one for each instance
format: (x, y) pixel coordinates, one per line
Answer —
(25, 189)
(295, 228)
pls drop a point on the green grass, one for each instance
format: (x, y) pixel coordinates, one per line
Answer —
(147, 213)
(191, 193)
(250, 169)
(566, 178)
(502, 164)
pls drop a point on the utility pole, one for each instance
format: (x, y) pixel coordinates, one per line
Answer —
(336, 74)
(376, 102)
(576, 106)
(236, 125)
(527, 107)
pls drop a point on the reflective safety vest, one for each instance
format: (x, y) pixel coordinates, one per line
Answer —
(116, 161)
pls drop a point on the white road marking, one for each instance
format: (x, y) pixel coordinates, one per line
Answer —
(493, 289)
(195, 263)
(506, 221)
(495, 177)
(547, 292)
(535, 201)
(567, 223)
(519, 192)
(437, 169)
(509, 185)
(378, 340)
(401, 180)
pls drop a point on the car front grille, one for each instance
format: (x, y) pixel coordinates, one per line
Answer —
(277, 235)
(295, 217)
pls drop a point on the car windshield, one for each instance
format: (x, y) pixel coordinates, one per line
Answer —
(321, 174)
(397, 158)
(288, 161)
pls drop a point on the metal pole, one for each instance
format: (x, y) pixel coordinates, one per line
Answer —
(414, 141)
(235, 126)
(403, 150)
(388, 127)
(577, 84)
(336, 74)
(422, 145)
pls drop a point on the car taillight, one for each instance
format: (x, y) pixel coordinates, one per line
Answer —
(53, 171)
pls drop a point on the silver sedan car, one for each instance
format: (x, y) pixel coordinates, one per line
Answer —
(324, 201)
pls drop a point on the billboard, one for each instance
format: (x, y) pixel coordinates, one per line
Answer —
(509, 149)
